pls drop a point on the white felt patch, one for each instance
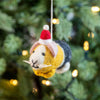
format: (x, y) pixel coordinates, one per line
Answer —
(37, 57)
(64, 68)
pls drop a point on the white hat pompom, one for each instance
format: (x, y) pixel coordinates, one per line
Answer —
(46, 27)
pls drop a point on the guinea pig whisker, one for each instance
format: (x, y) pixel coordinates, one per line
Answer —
(28, 62)
(44, 65)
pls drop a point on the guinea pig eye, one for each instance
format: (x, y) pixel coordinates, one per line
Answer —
(43, 54)
(33, 51)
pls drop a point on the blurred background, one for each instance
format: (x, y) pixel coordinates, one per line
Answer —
(75, 21)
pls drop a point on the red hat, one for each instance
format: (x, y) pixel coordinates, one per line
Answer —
(45, 36)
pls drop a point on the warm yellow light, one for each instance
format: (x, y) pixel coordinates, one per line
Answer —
(92, 35)
(70, 38)
(46, 82)
(43, 81)
(95, 9)
(86, 46)
(86, 43)
(88, 34)
(55, 21)
(24, 52)
(14, 82)
(34, 90)
(75, 73)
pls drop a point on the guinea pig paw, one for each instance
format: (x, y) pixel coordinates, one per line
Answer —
(28, 62)
(44, 66)
(63, 69)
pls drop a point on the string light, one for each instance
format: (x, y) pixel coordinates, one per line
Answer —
(91, 34)
(95, 9)
(14, 82)
(86, 46)
(75, 73)
(55, 21)
(43, 81)
(46, 82)
(70, 38)
(34, 90)
(24, 52)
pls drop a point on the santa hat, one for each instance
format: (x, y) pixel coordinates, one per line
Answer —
(45, 36)
(45, 39)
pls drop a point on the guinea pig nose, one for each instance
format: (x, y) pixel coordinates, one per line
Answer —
(35, 66)
(34, 62)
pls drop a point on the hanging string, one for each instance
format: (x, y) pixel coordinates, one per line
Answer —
(51, 19)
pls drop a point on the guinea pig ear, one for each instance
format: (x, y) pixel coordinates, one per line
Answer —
(33, 46)
(52, 46)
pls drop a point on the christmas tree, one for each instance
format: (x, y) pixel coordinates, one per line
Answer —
(77, 22)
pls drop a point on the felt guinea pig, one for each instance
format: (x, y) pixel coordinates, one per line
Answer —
(48, 57)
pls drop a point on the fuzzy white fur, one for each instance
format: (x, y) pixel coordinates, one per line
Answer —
(37, 55)
(64, 68)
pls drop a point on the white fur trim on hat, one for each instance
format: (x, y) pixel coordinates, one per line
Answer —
(45, 41)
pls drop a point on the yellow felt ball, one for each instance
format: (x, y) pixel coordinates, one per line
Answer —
(48, 72)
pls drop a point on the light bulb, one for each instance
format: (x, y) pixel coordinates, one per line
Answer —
(14, 82)
(34, 90)
(89, 34)
(75, 73)
(55, 21)
(46, 82)
(92, 35)
(24, 52)
(95, 9)
(86, 46)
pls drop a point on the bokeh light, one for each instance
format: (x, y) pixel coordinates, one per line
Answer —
(24, 52)
(95, 9)
(14, 82)
(86, 46)
(55, 21)
(75, 73)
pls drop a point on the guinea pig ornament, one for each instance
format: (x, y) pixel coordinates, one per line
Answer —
(48, 57)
